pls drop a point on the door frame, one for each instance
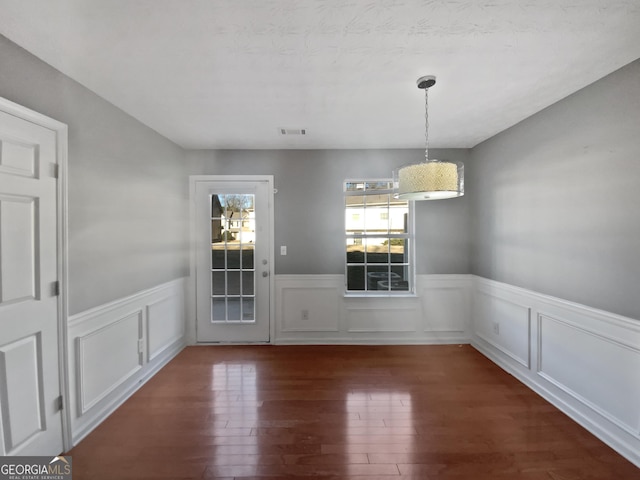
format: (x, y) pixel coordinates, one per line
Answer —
(193, 243)
(62, 227)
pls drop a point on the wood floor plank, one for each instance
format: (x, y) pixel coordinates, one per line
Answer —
(341, 412)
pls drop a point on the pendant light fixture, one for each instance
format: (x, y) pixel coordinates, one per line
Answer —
(431, 179)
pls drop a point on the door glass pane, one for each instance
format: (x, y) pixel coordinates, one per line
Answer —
(248, 309)
(218, 309)
(248, 253)
(232, 257)
(218, 283)
(233, 309)
(233, 283)
(247, 283)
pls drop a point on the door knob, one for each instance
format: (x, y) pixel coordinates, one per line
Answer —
(265, 274)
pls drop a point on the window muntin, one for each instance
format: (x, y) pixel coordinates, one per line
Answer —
(379, 239)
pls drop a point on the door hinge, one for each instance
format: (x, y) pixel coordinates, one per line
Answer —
(59, 403)
(55, 288)
(141, 346)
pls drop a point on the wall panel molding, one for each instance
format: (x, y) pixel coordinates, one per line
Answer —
(313, 309)
(115, 348)
(97, 378)
(583, 360)
(162, 328)
(511, 337)
(585, 355)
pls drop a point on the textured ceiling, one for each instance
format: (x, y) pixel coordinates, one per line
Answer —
(230, 73)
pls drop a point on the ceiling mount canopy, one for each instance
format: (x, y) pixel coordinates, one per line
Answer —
(431, 179)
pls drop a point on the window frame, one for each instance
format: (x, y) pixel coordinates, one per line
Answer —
(409, 235)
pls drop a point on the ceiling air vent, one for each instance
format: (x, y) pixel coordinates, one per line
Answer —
(292, 131)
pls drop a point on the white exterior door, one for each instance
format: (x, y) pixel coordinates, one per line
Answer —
(30, 418)
(233, 259)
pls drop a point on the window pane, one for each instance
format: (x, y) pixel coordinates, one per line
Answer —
(377, 250)
(247, 283)
(233, 256)
(233, 309)
(217, 256)
(399, 250)
(233, 283)
(379, 185)
(247, 230)
(218, 283)
(354, 214)
(399, 217)
(378, 277)
(355, 250)
(355, 278)
(247, 256)
(218, 309)
(353, 186)
(216, 207)
(248, 309)
(377, 220)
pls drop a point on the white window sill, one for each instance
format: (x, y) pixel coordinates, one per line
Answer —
(380, 295)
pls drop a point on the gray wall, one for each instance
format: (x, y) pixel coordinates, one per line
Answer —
(309, 205)
(127, 186)
(555, 198)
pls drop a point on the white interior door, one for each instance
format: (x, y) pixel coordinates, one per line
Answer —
(233, 259)
(30, 418)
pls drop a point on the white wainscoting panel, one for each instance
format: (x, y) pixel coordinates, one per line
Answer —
(445, 301)
(309, 303)
(164, 327)
(97, 377)
(572, 357)
(314, 309)
(117, 347)
(379, 315)
(506, 324)
(584, 361)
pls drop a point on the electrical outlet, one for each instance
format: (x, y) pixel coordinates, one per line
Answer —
(305, 314)
(496, 328)
(283, 249)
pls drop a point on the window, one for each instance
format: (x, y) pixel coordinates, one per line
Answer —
(379, 239)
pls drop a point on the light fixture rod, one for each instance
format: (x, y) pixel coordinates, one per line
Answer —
(425, 83)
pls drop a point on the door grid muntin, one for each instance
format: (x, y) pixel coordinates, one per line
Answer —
(233, 273)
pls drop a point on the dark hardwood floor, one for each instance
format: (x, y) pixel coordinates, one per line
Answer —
(341, 412)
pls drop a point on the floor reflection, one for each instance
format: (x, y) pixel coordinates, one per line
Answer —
(234, 415)
(378, 422)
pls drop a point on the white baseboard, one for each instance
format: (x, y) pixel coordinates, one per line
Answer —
(582, 360)
(135, 336)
